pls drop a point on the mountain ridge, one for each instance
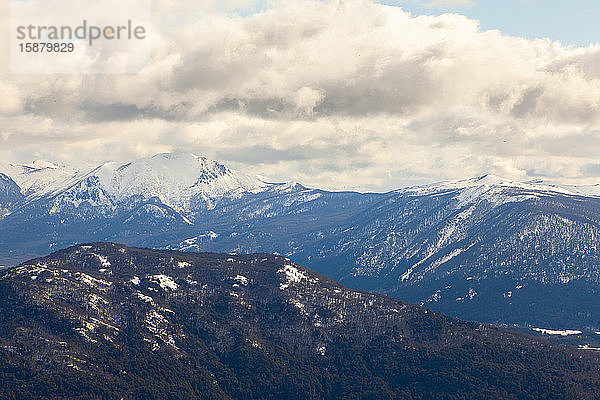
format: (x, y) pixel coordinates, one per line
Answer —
(481, 249)
(211, 166)
(115, 321)
(162, 175)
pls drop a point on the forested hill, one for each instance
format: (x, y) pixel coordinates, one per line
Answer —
(108, 321)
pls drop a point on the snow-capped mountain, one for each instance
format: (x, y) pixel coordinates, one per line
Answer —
(494, 188)
(485, 248)
(175, 179)
(40, 178)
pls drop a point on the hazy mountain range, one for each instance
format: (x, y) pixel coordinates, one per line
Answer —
(485, 248)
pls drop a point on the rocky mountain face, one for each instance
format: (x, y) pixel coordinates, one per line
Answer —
(10, 196)
(107, 321)
(487, 249)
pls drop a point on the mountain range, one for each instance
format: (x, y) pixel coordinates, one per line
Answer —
(105, 321)
(523, 255)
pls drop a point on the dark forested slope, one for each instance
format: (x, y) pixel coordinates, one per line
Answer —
(108, 321)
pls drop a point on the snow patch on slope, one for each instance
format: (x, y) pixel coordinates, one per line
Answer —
(292, 275)
(164, 281)
(567, 332)
(103, 260)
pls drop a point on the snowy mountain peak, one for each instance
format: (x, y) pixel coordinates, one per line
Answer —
(43, 164)
(40, 178)
(187, 183)
(489, 181)
(176, 179)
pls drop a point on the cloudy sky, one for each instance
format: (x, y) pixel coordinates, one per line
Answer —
(335, 93)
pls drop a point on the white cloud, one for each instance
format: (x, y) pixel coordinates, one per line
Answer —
(11, 101)
(335, 93)
(307, 99)
(450, 3)
(437, 4)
